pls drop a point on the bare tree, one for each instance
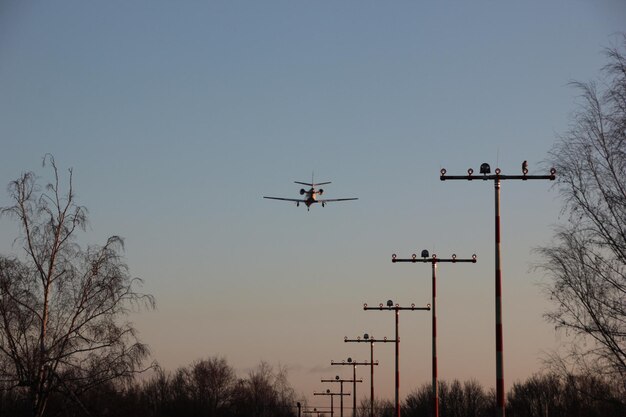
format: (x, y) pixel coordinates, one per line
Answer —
(555, 395)
(261, 390)
(156, 394)
(213, 381)
(419, 402)
(587, 260)
(476, 401)
(538, 396)
(63, 307)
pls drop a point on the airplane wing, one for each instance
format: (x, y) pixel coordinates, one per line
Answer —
(330, 200)
(286, 199)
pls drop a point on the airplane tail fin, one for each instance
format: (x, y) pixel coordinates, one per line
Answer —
(312, 183)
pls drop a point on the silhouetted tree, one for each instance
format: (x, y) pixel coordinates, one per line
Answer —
(539, 396)
(419, 402)
(260, 390)
(456, 400)
(587, 261)
(363, 408)
(591, 395)
(181, 393)
(382, 408)
(476, 402)
(213, 382)
(62, 307)
(556, 396)
(456, 406)
(156, 394)
(165, 395)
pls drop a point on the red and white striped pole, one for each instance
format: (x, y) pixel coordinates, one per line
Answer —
(332, 395)
(354, 364)
(499, 337)
(372, 379)
(434, 307)
(371, 340)
(433, 261)
(485, 170)
(396, 308)
(397, 363)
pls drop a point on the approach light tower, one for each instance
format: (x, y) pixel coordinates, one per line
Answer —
(332, 395)
(485, 170)
(354, 364)
(341, 381)
(396, 308)
(371, 340)
(314, 411)
(433, 261)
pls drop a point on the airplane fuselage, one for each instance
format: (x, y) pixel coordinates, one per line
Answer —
(310, 197)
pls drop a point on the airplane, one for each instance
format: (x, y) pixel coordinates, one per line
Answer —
(311, 195)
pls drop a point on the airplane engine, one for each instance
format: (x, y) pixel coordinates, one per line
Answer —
(302, 191)
(320, 192)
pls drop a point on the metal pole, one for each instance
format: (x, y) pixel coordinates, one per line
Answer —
(341, 397)
(354, 380)
(397, 364)
(396, 308)
(486, 171)
(353, 390)
(332, 394)
(499, 336)
(341, 381)
(341, 394)
(369, 339)
(433, 261)
(434, 330)
(372, 379)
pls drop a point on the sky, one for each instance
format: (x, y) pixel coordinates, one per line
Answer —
(178, 117)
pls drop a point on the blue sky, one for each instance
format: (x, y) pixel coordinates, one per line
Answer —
(178, 117)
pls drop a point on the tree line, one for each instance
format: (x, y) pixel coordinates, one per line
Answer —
(207, 388)
(211, 388)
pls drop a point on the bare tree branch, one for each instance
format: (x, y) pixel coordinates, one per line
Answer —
(587, 261)
(61, 305)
